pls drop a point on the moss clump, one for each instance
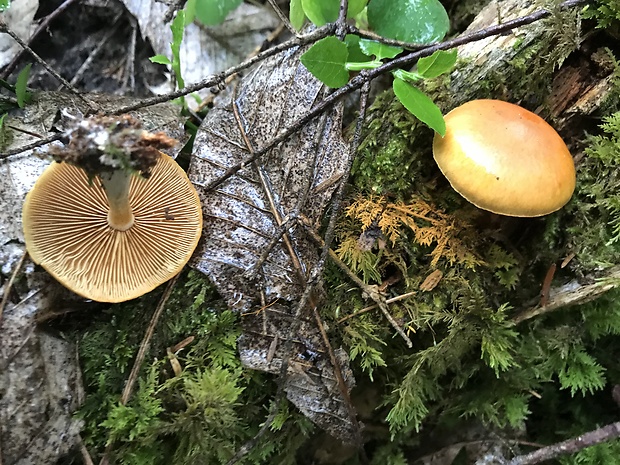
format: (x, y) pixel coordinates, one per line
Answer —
(203, 414)
(470, 358)
(606, 13)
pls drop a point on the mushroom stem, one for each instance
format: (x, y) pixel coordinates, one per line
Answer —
(116, 186)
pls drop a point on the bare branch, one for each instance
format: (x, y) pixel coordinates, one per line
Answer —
(573, 293)
(598, 436)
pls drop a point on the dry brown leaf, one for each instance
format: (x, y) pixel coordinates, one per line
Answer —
(243, 214)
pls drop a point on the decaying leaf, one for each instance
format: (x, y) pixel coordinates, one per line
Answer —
(20, 18)
(244, 214)
(40, 384)
(218, 47)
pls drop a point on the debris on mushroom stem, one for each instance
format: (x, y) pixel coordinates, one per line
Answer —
(103, 144)
(117, 237)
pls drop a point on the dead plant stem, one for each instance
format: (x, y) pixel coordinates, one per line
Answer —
(9, 284)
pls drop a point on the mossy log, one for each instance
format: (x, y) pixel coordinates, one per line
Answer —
(547, 67)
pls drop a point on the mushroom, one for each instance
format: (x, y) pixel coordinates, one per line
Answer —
(505, 159)
(104, 231)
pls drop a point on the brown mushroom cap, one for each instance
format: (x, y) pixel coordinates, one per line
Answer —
(67, 232)
(505, 159)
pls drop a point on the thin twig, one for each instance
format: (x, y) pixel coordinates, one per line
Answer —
(219, 78)
(130, 63)
(48, 68)
(33, 145)
(86, 458)
(370, 291)
(442, 452)
(135, 370)
(9, 284)
(375, 306)
(572, 294)
(137, 364)
(301, 305)
(376, 37)
(208, 100)
(285, 22)
(42, 26)
(591, 438)
(271, 198)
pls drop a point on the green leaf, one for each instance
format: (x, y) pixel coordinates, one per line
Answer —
(379, 50)
(296, 15)
(418, 21)
(437, 64)
(21, 92)
(326, 61)
(321, 12)
(4, 4)
(161, 60)
(190, 11)
(212, 12)
(407, 75)
(420, 105)
(353, 46)
(177, 27)
(356, 7)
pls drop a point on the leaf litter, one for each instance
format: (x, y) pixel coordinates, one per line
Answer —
(252, 248)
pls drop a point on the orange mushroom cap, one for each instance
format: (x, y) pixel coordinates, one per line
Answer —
(505, 159)
(65, 221)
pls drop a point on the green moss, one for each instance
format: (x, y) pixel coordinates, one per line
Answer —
(202, 415)
(469, 359)
(606, 13)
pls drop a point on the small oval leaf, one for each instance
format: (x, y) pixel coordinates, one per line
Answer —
(321, 12)
(420, 105)
(21, 89)
(437, 64)
(326, 61)
(296, 15)
(379, 50)
(418, 21)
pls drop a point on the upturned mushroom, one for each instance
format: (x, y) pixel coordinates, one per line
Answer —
(505, 159)
(113, 217)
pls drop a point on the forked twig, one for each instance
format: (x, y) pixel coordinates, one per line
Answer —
(285, 22)
(369, 291)
(375, 306)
